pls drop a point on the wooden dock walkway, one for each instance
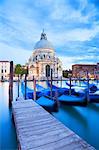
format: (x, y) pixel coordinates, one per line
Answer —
(38, 130)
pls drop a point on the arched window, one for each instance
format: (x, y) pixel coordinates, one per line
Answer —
(36, 57)
(47, 70)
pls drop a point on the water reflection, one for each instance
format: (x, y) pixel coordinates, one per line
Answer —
(95, 107)
(7, 130)
(82, 120)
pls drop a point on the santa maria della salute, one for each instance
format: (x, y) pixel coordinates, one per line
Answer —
(43, 60)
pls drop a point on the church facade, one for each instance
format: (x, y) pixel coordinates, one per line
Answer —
(43, 60)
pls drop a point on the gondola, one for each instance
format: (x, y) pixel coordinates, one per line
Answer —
(43, 97)
(74, 99)
(47, 103)
(60, 90)
(29, 92)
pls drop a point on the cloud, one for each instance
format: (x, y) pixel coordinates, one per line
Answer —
(71, 25)
(13, 54)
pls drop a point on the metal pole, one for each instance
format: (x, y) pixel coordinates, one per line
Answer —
(11, 84)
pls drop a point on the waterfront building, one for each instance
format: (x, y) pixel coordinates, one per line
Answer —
(67, 73)
(81, 70)
(43, 59)
(4, 70)
(96, 73)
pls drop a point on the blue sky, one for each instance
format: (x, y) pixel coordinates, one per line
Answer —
(71, 25)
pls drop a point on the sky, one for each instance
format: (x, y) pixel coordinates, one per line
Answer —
(72, 26)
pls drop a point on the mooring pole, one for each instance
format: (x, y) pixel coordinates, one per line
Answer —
(88, 99)
(70, 86)
(33, 87)
(51, 81)
(97, 79)
(61, 81)
(25, 86)
(79, 81)
(18, 85)
(11, 84)
(56, 99)
(34, 93)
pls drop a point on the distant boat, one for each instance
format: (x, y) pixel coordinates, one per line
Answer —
(92, 87)
(60, 90)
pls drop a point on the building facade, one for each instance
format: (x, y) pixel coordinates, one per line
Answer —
(96, 73)
(43, 60)
(81, 70)
(4, 70)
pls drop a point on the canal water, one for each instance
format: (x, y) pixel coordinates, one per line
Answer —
(8, 139)
(84, 121)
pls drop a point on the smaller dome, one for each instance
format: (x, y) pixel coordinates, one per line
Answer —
(43, 43)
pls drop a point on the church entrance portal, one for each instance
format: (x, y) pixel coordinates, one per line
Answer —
(47, 71)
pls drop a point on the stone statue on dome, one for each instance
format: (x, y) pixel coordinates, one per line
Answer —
(43, 36)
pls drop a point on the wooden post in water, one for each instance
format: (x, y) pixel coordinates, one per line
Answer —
(51, 81)
(79, 81)
(11, 84)
(61, 81)
(34, 93)
(33, 87)
(97, 79)
(18, 85)
(56, 99)
(70, 86)
(88, 99)
(25, 86)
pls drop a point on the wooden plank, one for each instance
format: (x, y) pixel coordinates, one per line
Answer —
(39, 130)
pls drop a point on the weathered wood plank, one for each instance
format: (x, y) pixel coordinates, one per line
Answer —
(38, 130)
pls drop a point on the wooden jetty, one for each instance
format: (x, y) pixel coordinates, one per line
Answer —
(38, 130)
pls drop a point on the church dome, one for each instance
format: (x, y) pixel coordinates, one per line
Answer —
(43, 43)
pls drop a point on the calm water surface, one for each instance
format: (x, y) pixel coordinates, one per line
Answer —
(7, 131)
(82, 120)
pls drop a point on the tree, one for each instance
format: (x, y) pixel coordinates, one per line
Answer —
(18, 69)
